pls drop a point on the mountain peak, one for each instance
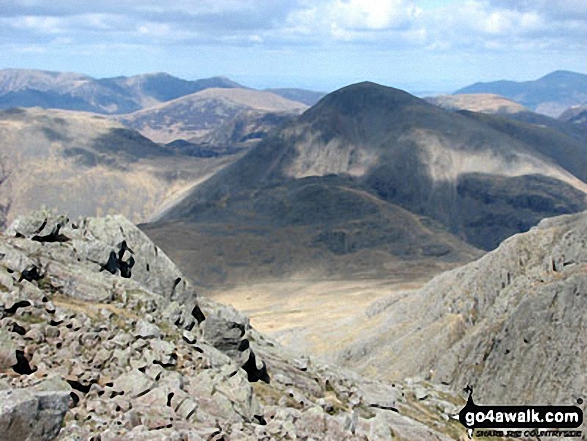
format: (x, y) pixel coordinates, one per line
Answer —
(563, 75)
(365, 96)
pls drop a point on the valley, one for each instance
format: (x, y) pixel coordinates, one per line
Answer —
(320, 318)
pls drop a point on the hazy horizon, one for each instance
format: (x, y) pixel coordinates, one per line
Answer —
(431, 45)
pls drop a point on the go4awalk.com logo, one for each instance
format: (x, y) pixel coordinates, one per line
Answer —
(521, 421)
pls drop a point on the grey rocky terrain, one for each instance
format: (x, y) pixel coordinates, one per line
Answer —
(511, 324)
(103, 338)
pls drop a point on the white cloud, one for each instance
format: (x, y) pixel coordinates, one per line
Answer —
(372, 14)
(275, 24)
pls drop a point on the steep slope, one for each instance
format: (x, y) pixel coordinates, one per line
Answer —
(550, 95)
(85, 164)
(511, 324)
(478, 102)
(102, 338)
(563, 143)
(71, 91)
(198, 116)
(337, 176)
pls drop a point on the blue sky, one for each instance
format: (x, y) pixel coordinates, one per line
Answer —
(426, 45)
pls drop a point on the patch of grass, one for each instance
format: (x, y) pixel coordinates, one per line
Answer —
(91, 309)
(30, 319)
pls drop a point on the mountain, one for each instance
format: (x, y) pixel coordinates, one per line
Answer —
(367, 176)
(477, 102)
(204, 116)
(550, 95)
(308, 97)
(511, 325)
(71, 91)
(103, 338)
(85, 164)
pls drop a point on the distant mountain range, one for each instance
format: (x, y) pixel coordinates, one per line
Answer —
(73, 91)
(550, 95)
(368, 175)
(216, 116)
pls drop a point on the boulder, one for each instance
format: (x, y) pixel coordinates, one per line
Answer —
(34, 414)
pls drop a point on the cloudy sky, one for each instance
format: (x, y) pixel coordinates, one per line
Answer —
(418, 45)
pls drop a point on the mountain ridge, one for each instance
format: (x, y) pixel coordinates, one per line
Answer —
(72, 91)
(550, 94)
(197, 116)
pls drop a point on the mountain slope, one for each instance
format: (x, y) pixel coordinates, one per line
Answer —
(197, 116)
(549, 95)
(511, 324)
(576, 115)
(370, 175)
(306, 229)
(479, 182)
(71, 91)
(563, 143)
(85, 164)
(477, 102)
(568, 124)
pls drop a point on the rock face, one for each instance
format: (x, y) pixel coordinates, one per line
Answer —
(102, 338)
(512, 324)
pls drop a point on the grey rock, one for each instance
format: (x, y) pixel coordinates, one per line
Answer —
(33, 414)
(7, 351)
(133, 383)
(192, 383)
(145, 329)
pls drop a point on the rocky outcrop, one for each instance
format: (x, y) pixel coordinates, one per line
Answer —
(103, 338)
(34, 413)
(512, 324)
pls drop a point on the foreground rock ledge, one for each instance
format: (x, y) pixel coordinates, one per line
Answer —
(104, 339)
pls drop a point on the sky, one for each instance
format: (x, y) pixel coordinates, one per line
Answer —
(417, 45)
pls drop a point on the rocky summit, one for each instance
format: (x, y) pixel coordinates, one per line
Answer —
(102, 338)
